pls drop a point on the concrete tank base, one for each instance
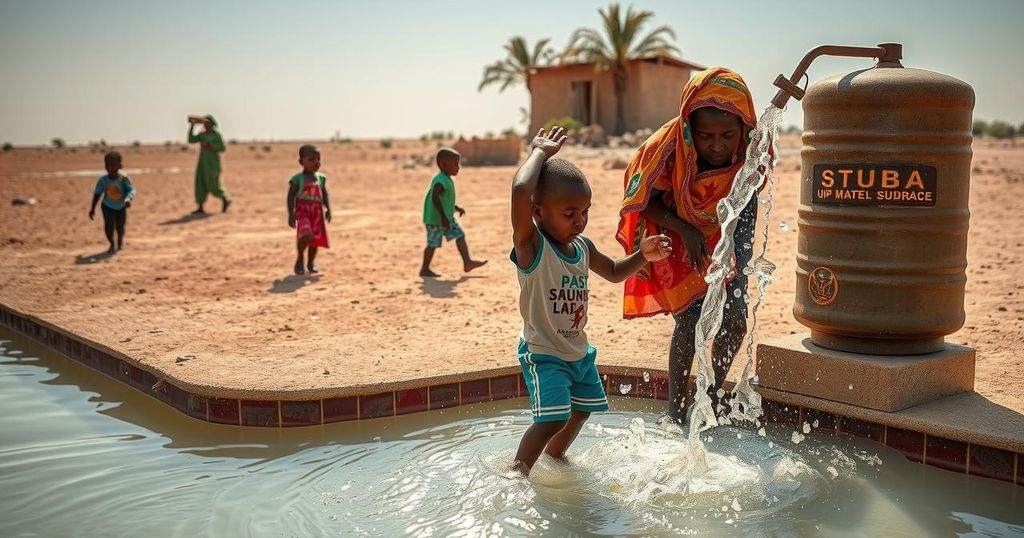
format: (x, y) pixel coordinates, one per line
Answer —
(883, 382)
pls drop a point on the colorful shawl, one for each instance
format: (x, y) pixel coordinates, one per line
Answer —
(672, 285)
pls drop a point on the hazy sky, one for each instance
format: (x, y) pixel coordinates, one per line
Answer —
(130, 70)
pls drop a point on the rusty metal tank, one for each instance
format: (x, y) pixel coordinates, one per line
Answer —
(883, 216)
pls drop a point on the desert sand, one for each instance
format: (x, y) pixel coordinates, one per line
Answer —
(218, 291)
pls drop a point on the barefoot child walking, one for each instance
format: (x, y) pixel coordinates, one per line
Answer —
(308, 207)
(439, 213)
(550, 208)
(117, 192)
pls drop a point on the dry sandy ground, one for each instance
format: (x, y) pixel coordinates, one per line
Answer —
(219, 288)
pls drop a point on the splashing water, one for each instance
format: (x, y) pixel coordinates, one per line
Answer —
(755, 173)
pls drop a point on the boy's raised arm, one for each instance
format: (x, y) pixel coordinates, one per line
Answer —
(524, 234)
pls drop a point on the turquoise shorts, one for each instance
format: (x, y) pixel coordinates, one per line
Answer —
(558, 387)
(451, 233)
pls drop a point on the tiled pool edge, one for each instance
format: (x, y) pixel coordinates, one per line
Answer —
(957, 456)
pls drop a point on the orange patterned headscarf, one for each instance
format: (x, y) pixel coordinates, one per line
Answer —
(672, 285)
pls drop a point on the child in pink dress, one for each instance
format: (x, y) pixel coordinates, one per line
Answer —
(308, 207)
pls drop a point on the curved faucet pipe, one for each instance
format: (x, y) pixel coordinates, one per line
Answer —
(885, 52)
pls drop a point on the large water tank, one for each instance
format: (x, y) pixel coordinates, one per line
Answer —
(882, 248)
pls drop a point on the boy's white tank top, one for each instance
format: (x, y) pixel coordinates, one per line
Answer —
(553, 296)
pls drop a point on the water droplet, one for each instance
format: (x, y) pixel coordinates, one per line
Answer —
(647, 377)
(851, 386)
(761, 432)
(625, 388)
(797, 438)
(832, 471)
(737, 293)
(783, 227)
(736, 504)
(636, 426)
(807, 428)
(815, 423)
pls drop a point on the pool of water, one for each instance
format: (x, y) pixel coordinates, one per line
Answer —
(83, 455)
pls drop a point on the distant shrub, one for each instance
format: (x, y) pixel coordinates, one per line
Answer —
(489, 134)
(8, 146)
(996, 129)
(266, 149)
(1001, 129)
(792, 130)
(136, 144)
(58, 143)
(451, 134)
(565, 122)
(252, 148)
(386, 143)
(184, 148)
(510, 133)
(233, 141)
(424, 139)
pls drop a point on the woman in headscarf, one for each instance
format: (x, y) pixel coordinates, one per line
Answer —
(211, 145)
(672, 184)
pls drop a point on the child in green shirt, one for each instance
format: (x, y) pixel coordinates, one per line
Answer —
(439, 213)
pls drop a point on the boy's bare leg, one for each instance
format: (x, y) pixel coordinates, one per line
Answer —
(563, 439)
(301, 244)
(532, 444)
(468, 264)
(310, 266)
(428, 255)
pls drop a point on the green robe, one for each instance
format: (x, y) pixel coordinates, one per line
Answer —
(208, 167)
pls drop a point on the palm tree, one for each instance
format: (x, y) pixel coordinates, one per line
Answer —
(515, 68)
(620, 43)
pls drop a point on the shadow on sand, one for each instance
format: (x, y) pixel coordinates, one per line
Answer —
(443, 289)
(292, 283)
(88, 259)
(189, 217)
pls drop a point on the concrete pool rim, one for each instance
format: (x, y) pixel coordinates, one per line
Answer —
(921, 434)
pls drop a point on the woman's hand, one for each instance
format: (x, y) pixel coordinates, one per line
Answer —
(656, 247)
(696, 247)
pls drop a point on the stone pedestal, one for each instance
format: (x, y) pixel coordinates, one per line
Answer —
(883, 382)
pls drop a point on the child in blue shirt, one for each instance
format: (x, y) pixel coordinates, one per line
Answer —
(550, 209)
(117, 192)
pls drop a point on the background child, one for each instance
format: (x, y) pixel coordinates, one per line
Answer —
(439, 213)
(117, 192)
(308, 206)
(550, 208)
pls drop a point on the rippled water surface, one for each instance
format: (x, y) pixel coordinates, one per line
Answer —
(83, 455)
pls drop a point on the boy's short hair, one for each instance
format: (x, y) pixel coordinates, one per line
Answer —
(306, 149)
(446, 153)
(556, 173)
(110, 156)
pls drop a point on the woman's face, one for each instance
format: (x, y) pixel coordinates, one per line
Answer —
(716, 135)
